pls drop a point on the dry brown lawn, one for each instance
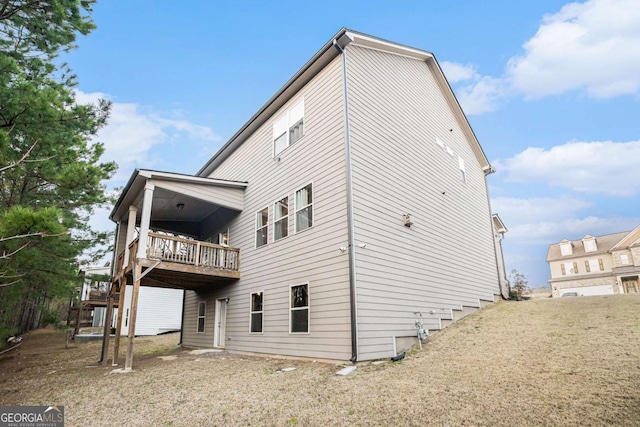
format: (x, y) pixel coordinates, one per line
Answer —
(569, 361)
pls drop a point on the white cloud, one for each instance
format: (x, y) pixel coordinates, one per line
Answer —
(607, 167)
(478, 94)
(457, 72)
(593, 46)
(537, 209)
(483, 96)
(133, 132)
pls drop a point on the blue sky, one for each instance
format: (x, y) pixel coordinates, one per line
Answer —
(551, 88)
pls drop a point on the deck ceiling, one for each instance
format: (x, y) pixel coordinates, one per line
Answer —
(179, 197)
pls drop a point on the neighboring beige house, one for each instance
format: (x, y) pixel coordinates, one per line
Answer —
(353, 199)
(596, 265)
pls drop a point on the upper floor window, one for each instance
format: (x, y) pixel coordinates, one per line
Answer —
(304, 208)
(281, 219)
(289, 128)
(262, 227)
(590, 245)
(593, 265)
(624, 259)
(569, 268)
(566, 249)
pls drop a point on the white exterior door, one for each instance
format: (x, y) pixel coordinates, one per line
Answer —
(221, 322)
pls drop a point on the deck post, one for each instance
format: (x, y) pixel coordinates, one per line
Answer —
(131, 233)
(145, 220)
(132, 315)
(116, 341)
(107, 324)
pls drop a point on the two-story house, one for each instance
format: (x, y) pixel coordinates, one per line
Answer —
(596, 265)
(353, 200)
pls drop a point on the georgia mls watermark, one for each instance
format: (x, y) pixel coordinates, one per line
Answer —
(31, 416)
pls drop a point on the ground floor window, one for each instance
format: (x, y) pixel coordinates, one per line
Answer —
(257, 312)
(299, 309)
(202, 308)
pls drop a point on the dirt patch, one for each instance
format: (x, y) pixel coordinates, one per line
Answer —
(570, 361)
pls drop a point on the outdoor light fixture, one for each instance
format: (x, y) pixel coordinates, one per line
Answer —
(180, 206)
(407, 220)
(226, 300)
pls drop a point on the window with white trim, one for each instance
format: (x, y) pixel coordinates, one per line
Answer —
(289, 128)
(281, 219)
(590, 245)
(257, 312)
(262, 227)
(593, 265)
(463, 177)
(566, 249)
(202, 309)
(299, 309)
(304, 208)
(624, 259)
(569, 268)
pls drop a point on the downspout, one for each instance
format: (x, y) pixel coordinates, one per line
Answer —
(488, 171)
(184, 297)
(350, 220)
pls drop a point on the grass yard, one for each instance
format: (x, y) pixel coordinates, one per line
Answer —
(569, 361)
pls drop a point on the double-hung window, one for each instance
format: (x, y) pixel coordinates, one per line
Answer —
(289, 128)
(304, 208)
(262, 227)
(281, 219)
(257, 312)
(202, 307)
(299, 309)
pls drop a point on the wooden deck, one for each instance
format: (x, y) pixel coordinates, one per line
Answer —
(181, 263)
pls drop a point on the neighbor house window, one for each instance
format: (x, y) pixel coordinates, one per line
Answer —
(624, 259)
(289, 128)
(262, 227)
(569, 268)
(594, 265)
(256, 312)
(281, 219)
(202, 307)
(565, 249)
(590, 245)
(304, 208)
(299, 309)
(461, 166)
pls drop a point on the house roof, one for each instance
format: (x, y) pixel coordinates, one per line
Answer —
(322, 58)
(136, 184)
(631, 239)
(604, 244)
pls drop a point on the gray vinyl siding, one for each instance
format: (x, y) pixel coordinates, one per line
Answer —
(446, 259)
(311, 256)
(190, 335)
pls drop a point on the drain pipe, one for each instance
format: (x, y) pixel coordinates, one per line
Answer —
(350, 221)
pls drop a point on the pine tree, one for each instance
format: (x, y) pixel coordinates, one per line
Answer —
(51, 177)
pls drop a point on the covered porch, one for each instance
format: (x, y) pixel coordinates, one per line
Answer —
(172, 232)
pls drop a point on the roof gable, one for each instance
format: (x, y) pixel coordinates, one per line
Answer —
(321, 59)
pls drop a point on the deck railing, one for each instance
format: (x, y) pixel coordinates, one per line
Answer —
(187, 251)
